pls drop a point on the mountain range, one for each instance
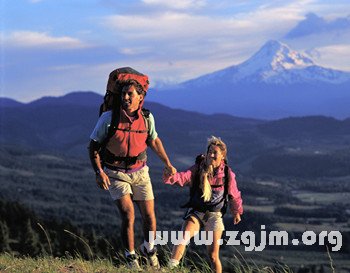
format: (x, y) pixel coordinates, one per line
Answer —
(63, 125)
(276, 82)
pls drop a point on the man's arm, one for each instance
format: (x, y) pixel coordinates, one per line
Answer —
(157, 146)
(94, 147)
(101, 178)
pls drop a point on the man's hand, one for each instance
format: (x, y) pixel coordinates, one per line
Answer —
(237, 219)
(102, 180)
(157, 146)
(169, 170)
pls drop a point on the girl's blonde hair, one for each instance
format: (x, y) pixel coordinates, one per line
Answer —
(206, 172)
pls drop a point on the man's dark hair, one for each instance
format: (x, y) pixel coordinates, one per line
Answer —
(138, 87)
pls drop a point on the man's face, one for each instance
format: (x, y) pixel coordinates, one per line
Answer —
(131, 99)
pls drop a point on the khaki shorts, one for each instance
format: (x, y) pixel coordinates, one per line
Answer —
(138, 184)
(210, 221)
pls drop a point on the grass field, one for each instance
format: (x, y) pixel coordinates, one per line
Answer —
(11, 264)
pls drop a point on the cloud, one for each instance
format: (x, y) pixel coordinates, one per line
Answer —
(71, 67)
(333, 56)
(325, 38)
(313, 24)
(41, 39)
(133, 50)
(167, 26)
(179, 44)
(176, 4)
(183, 37)
(189, 29)
(190, 25)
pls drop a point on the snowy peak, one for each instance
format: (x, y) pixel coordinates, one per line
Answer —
(274, 63)
(277, 56)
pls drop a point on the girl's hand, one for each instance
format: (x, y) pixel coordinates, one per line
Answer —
(168, 172)
(168, 175)
(237, 218)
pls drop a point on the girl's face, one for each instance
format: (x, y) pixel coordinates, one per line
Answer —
(214, 156)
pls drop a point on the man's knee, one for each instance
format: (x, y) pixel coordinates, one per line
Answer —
(150, 217)
(128, 217)
(126, 211)
(147, 211)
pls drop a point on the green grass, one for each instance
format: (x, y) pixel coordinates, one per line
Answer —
(46, 264)
(9, 263)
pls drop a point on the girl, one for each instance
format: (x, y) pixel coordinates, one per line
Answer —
(213, 185)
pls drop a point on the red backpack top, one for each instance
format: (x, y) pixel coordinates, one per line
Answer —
(117, 79)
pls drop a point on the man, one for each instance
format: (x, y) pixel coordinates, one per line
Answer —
(125, 173)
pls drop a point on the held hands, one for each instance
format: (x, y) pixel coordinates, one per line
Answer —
(102, 180)
(168, 171)
(237, 218)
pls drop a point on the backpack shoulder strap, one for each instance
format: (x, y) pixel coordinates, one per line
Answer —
(195, 181)
(226, 181)
(227, 178)
(145, 114)
(111, 131)
(196, 178)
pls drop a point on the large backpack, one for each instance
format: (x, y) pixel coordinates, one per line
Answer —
(195, 184)
(117, 79)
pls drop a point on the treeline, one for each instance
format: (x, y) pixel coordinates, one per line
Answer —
(22, 233)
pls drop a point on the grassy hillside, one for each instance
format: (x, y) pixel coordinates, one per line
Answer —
(57, 187)
(11, 264)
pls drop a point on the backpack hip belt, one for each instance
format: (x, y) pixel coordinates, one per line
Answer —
(129, 160)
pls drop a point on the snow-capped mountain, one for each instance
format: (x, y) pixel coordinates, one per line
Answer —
(275, 63)
(275, 82)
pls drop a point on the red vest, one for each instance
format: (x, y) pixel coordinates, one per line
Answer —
(129, 139)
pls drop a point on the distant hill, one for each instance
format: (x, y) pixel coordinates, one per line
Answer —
(315, 126)
(77, 98)
(276, 82)
(65, 123)
(6, 102)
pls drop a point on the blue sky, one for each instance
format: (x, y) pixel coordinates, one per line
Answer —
(52, 47)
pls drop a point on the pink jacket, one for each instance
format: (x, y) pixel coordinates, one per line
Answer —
(235, 200)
